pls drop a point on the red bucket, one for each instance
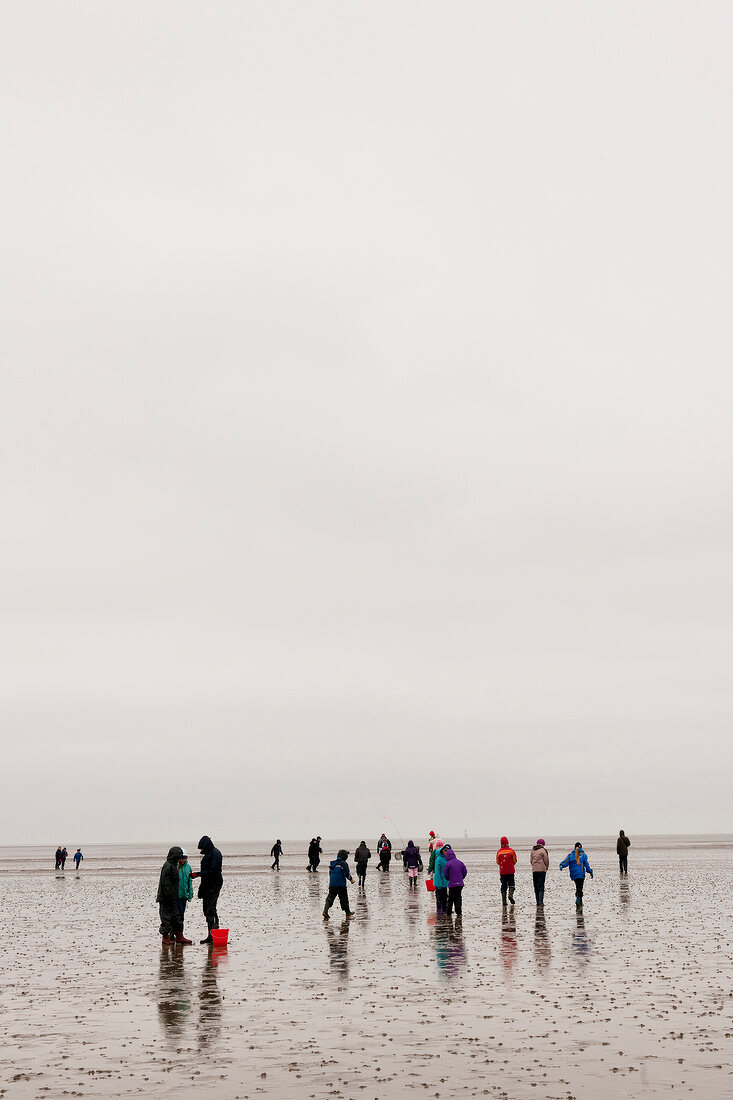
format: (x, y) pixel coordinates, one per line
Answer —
(220, 936)
(429, 885)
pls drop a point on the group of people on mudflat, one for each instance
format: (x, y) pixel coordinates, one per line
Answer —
(447, 873)
(175, 889)
(446, 876)
(62, 855)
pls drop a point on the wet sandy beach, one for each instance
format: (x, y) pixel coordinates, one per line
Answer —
(631, 998)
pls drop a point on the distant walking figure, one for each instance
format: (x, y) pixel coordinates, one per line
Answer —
(506, 857)
(362, 855)
(539, 861)
(622, 851)
(440, 879)
(577, 863)
(276, 851)
(211, 883)
(339, 873)
(58, 858)
(64, 857)
(78, 857)
(384, 849)
(314, 853)
(412, 862)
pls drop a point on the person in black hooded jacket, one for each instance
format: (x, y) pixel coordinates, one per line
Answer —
(211, 883)
(171, 925)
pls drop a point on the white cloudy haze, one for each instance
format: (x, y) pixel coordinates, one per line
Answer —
(365, 430)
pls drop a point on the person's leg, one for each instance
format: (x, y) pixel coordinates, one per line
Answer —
(441, 893)
(344, 899)
(536, 885)
(542, 875)
(449, 901)
(510, 879)
(625, 864)
(458, 900)
(579, 883)
(330, 899)
(504, 879)
(168, 923)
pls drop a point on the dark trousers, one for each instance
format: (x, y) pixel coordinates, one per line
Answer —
(170, 918)
(209, 900)
(340, 893)
(455, 899)
(182, 909)
(538, 881)
(276, 864)
(361, 872)
(506, 882)
(384, 861)
(441, 898)
(314, 863)
(623, 864)
(579, 883)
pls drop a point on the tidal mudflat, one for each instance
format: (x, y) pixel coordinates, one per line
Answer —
(633, 997)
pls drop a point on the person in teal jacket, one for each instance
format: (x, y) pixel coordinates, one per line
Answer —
(577, 863)
(185, 884)
(441, 882)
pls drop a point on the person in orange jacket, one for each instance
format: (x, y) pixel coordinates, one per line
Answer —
(506, 857)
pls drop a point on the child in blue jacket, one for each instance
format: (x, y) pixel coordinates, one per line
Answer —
(339, 873)
(577, 862)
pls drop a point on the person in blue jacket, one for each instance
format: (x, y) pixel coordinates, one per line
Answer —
(339, 873)
(577, 862)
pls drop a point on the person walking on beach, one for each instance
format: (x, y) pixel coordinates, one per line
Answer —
(362, 855)
(78, 857)
(454, 872)
(276, 851)
(439, 880)
(211, 883)
(384, 850)
(577, 863)
(412, 862)
(58, 858)
(339, 873)
(539, 861)
(185, 885)
(171, 925)
(64, 857)
(431, 840)
(622, 851)
(506, 857)
(314, 853)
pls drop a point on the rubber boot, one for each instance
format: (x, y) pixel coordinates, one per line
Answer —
(166, 939)
(511, 894)
(180, 938)
(209, 939)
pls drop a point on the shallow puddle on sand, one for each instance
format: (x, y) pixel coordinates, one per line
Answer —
(630, 998)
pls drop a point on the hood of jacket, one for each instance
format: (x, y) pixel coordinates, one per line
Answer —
(205, 844)
(174, 854)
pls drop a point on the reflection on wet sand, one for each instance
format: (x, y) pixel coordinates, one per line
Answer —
(508, 941)
(624, 893)
(581, 943)
(174, 991)
(542, 948)
(338, 944)
(412, 910)
(210, 1001)
(450, 949)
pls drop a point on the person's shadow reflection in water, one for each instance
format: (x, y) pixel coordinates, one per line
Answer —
(338, 947)
(210, 998)
(542, 949)
(624, 894)
(412, 912)
(581, 943)
(508, 941)
(174, 995)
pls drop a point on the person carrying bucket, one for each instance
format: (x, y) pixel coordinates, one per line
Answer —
(211, 883)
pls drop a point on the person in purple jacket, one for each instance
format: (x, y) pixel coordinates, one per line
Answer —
(455, 872)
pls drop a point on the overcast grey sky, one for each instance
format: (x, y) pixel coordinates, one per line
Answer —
(365, 430)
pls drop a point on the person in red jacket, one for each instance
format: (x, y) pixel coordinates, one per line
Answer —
(506, 857)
